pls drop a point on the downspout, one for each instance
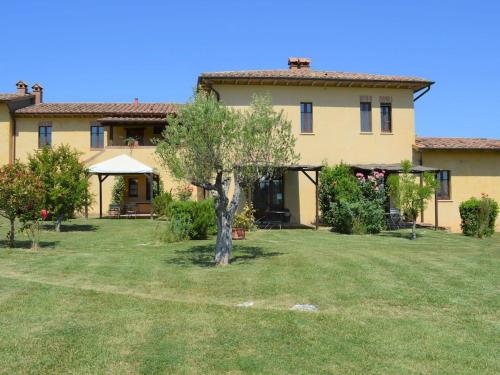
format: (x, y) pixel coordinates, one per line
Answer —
(210, 87)
(427, 89)
(14, 132)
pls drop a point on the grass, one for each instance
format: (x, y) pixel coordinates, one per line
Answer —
(104, 297)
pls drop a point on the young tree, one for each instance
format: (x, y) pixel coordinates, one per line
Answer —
(21, 193)
(65, 181)
(409, 194)
(213, 146)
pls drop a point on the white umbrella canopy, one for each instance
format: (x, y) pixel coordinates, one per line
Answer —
(121, 164)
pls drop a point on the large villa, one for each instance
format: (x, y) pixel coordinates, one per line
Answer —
(364, 120)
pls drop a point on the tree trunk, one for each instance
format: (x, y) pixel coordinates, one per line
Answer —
(11, 234)
(414, 230)
(58, 223)
(224, 243)
(225, 215)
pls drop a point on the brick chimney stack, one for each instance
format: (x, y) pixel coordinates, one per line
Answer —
(295, 63)
(22, 88)
(38, 92)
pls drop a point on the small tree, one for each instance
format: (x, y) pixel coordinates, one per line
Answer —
(21, 193)
(65, 181)
(213, 146)
(411, 196)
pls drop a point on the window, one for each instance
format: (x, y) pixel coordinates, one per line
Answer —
(306, 117)
(133, 187)
(386, 114)
(44, 135)
(443, 188)
(96, 136)
(366, 116)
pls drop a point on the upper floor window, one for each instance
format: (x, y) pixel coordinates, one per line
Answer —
(366, 117)
(44, 135)
(443, 186)
(133, 187)
(97, 136)
(386, 116)
(306, 117)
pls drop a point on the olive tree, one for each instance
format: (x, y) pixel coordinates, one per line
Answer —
(65, 180)
(409, 194)
(21, 194)
(221, 149)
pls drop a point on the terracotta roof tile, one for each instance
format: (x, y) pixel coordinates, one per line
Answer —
(315, 75)
(431, 143)
(107, 109)
(5, 97)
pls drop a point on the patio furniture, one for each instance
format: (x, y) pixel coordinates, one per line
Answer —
(114, 211)
(131, 210)
(394, 219)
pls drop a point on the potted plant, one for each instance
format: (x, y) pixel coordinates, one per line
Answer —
(131, 142)
(242, 222)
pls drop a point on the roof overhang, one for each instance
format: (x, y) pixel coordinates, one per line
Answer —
(121, 165)
(318, 82)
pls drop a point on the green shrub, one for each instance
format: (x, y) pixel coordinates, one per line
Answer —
(174, 230)
(200, 217)
(117, 194)
(478, 216)
(161, 203)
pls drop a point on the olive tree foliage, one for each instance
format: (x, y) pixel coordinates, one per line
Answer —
(21, 195)
(65, 180)
(213, 146)
(409, 194)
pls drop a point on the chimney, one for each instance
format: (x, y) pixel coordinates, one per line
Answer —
(38, 92)
(136, 102)
(22, 88)
(295, 63)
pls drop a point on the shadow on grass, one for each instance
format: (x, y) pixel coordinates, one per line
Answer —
(26, 244)
(397, 234)
(72, 227)
(203, 255)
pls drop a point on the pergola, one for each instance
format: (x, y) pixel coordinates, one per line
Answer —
(304, 168)
(122, 165)
(396, 168)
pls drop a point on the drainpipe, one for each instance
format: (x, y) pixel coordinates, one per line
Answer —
(426, 90)
(210, 87)
(14, 132)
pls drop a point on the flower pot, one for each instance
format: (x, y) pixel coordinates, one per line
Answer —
(238, 233)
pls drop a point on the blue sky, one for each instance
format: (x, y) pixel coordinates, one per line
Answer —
(117, 50)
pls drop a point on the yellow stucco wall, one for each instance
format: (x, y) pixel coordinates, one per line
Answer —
(472, 173)
(336, 131)
(5, 134)
(76, 133)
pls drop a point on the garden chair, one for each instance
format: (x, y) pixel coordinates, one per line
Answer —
(131, 210)
(395, 219)
(114, 211)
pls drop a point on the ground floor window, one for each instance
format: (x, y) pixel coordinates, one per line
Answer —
(267, 194)
(133, 187)
(443, 188)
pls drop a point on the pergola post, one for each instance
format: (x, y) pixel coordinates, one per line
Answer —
(436, 223)
(100, 196)
(101, 180)
(150, 187)
(317, 199)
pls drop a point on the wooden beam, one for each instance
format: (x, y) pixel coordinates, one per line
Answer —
(436, 215)
(317, 199)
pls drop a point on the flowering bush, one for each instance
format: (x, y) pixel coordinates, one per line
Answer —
(245, 219)
(352, 203)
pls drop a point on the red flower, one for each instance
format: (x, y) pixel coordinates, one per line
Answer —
(44, 213)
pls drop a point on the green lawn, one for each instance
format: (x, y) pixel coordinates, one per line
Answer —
(104, 297)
